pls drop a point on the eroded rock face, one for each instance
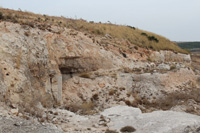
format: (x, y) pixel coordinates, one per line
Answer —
(70, 65)
(33, 60)
(169, 56)
(41, 69)
(146, 85)
(24, 64)
(42, 66)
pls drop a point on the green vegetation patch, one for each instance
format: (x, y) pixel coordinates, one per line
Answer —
(192, 46)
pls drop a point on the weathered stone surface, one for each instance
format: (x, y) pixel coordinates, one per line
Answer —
(45, 69)
(18, 125)
(36, 62)
(169, 56)
(155, 122)
(14, 111)
(163, 67)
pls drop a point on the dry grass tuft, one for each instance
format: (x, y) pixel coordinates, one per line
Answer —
(170, 100)
(84, 75)
(112, 92)
(127, 129)
(110, 131)
(172, 67)
(18, 60)
(86, 108)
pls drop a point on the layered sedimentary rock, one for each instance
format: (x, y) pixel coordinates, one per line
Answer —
(40, 69)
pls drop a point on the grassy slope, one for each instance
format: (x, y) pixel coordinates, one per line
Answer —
(135, 36)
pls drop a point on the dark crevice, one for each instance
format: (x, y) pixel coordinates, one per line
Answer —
(52, 89)
(68, 70)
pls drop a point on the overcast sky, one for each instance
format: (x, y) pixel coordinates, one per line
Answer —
(178, 20)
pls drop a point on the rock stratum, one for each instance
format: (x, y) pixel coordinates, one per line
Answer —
(83, 83)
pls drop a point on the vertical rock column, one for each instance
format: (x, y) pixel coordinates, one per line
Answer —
(54, 87)
(59, 94)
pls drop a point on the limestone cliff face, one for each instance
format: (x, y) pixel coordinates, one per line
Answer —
(33, 61)
(38, 66)
(169, 56)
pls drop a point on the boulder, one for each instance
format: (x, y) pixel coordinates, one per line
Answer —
(155, 122)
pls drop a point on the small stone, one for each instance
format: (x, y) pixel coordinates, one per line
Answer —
(16, 124)
(20, 114)
(110, 124)
(14, 111)
(101, 122)
(101, 85)
(56, 113)
(95, 125)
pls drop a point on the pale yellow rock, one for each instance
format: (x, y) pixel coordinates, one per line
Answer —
(14, 111)
(20, 114)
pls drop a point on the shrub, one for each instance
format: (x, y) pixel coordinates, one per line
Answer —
(110, 131)
(122, 88)
(47, 101)
(95, 97)
(153, 38)
(151, 47)
(150, 38)
(135, 47)
(112, 92)
(144, 34)
(131, 27)
(84, 75)
(170, 100)
(1, 15)
(172, 67)
(177, 98)
(149, 59)
(73, 107)
(27, 33)
(29, 23)
(39, 19)
(97, 31)
(128, 70)
(31, 104)
(8, 16)
(87, 108)
(128, 103)
(137, 69)
(124, 55)
(129, 94)
(128, 129)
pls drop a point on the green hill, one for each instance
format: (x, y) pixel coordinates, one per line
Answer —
(192, 46)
